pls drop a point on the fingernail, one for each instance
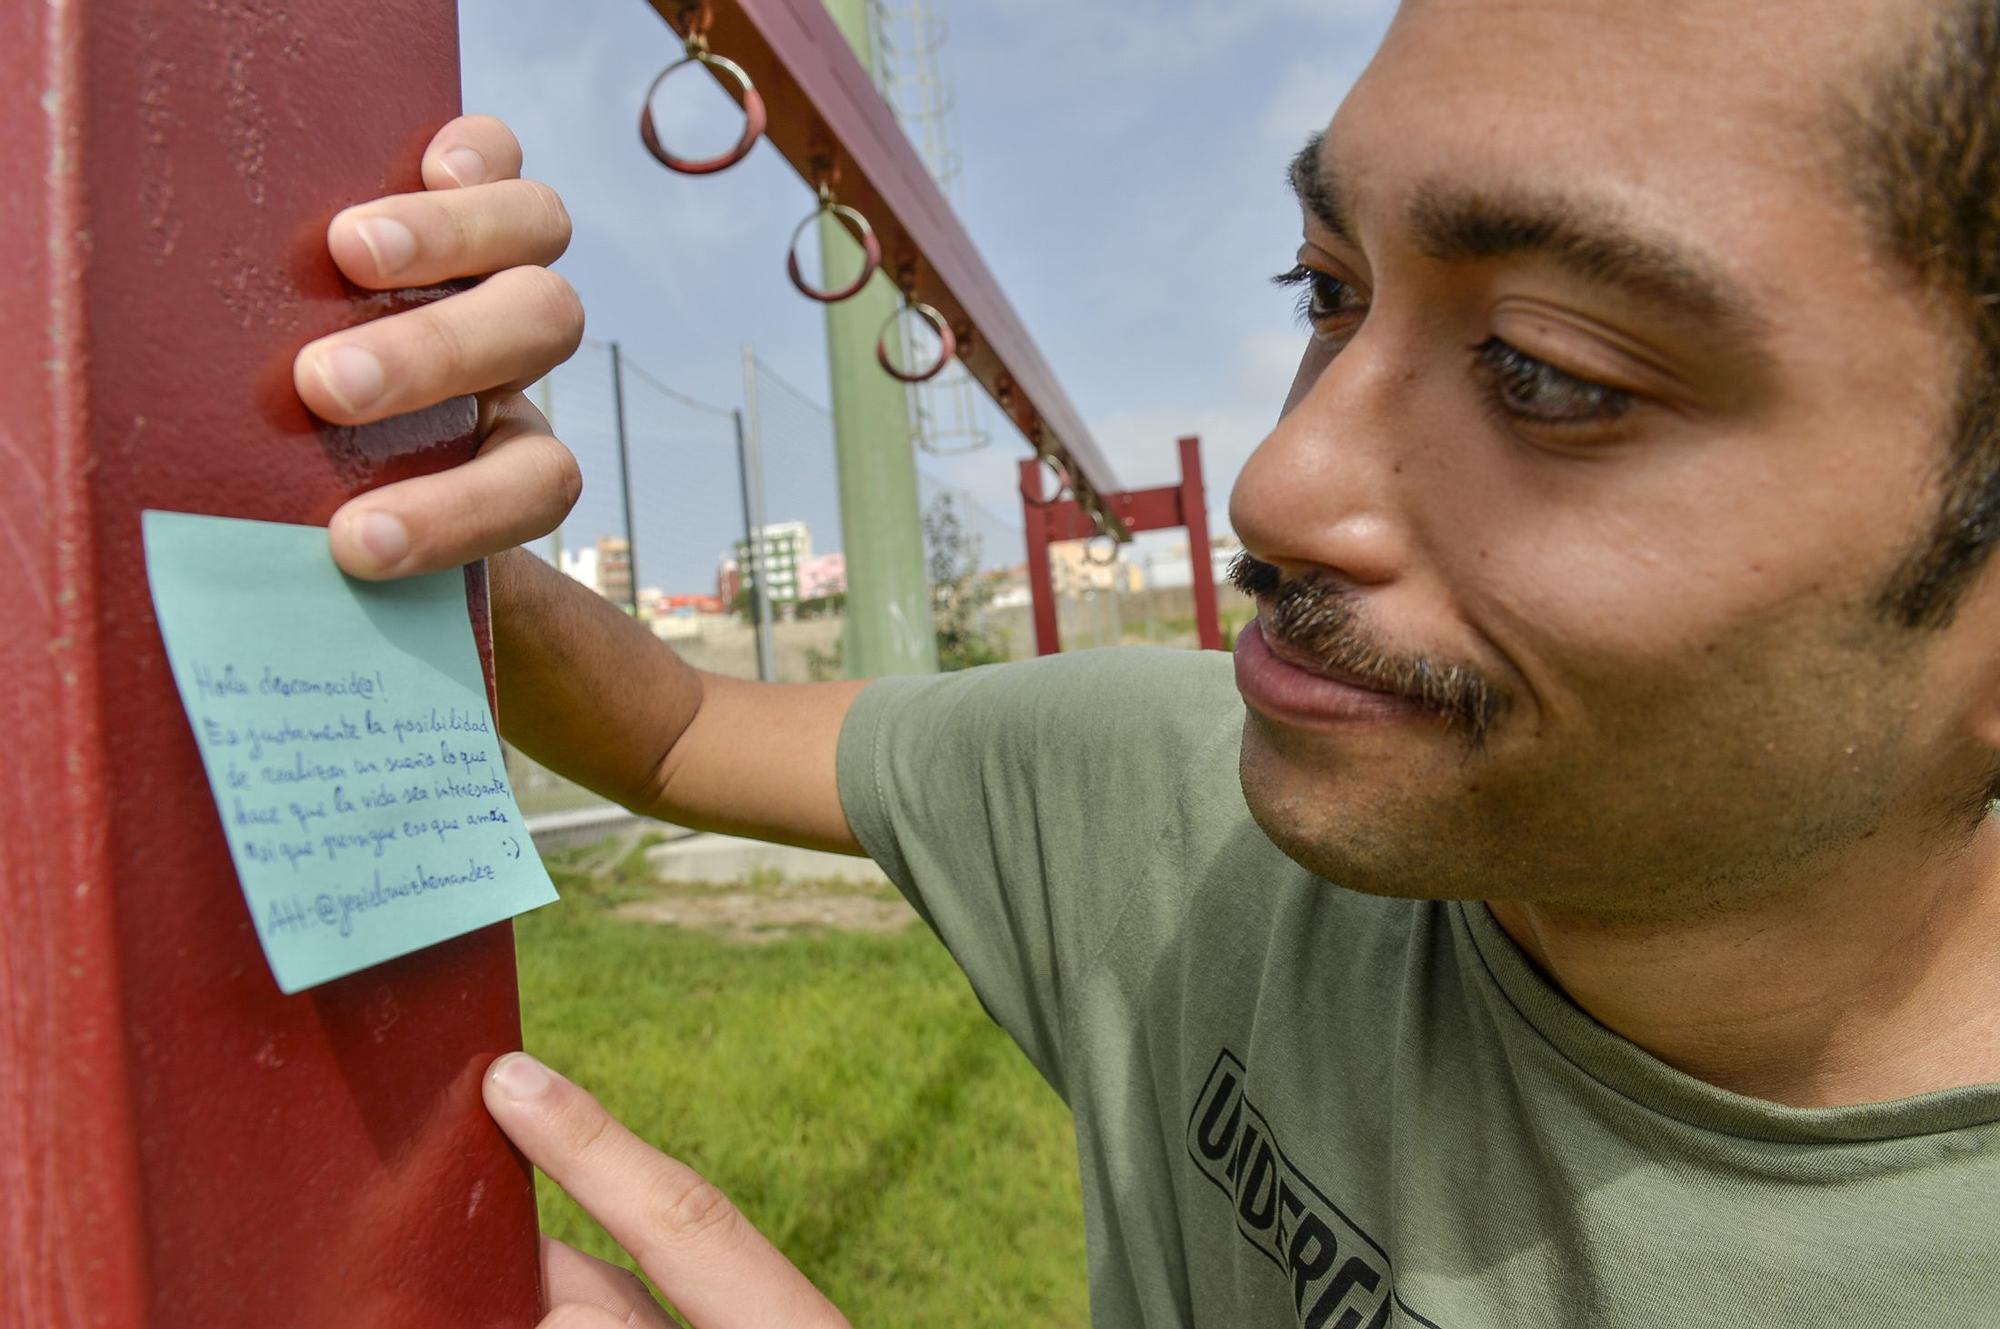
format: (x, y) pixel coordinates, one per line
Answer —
(464, 165)
(352, 375)
(383, 536)
(519, 1076)
(391, 243)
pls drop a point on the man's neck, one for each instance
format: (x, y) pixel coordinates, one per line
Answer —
(1873, 986)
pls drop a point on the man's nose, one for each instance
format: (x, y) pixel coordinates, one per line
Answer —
(1324, 490)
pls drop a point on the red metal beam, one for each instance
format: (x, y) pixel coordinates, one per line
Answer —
(181, 1143)
(1184, 504)
(826, 116)
(1140, 510)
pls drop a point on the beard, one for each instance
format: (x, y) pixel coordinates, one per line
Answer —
(1673, 784)
(1319, 620)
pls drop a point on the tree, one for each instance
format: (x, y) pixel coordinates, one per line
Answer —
(959, 595)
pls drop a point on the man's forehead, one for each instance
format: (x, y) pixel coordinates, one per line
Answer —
(1690, 59)
(1831, 23)
(1658, 112)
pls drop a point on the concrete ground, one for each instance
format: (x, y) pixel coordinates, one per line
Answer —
(707, 857)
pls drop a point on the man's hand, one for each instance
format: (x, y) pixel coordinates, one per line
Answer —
(692, 1242)
(585, 689)
(476, 218)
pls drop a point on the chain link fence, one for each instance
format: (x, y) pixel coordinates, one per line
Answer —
(661, 532)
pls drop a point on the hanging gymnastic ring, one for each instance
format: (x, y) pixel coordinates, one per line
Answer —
(753, 115)
(1064, 486)
(947, 344)
(871, 250)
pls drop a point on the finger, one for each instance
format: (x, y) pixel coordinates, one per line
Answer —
(471, 150)
(519, 488)
(422, 239)
(568, 1275)
(505, 332)
(699, 1250)
(577, 1315)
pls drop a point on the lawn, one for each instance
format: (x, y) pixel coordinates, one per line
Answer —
(845, 1089)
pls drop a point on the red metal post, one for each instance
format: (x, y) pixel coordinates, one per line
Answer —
(1201, 564)
(1041, 578)
(1045, 521)
(179, 1143)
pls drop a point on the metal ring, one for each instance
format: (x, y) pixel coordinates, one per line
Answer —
(947, 343)
(1064, 486)
(871, 251)
(1091, 545)
(753, 115)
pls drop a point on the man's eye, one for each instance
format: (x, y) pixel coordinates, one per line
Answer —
(1326, 303)
(1535, 391)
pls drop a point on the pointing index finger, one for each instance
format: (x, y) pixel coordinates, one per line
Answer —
(695, 1245)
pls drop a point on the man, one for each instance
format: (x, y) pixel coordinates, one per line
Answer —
(1584, 915)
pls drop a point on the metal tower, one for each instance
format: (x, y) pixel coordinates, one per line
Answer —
(908, 36)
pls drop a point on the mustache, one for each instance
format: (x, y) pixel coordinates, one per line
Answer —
(1321, 620)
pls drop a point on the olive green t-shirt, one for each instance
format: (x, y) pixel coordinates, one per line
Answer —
(1299, 1105)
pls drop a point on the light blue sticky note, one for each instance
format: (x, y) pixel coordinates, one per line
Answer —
(346, 734)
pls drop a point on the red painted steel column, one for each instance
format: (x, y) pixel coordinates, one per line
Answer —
(1201, 565)
(1041, 580)
(179, 1143)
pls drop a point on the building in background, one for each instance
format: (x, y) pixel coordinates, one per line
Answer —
(784, 549)
(1173, 571)
(688, 617)
(694, 605)
(614, 569)
(1074, 571)
(579, 565)
(1008, 587)
(822, 576)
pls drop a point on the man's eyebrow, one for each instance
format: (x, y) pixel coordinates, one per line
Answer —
(1318, 189)
(1456, 225)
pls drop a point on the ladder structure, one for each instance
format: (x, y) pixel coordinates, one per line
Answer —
(908, 38)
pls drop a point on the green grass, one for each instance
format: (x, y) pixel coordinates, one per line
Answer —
(846, 1090)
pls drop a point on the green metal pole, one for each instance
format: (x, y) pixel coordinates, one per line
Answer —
(625, 482)
(888, 593)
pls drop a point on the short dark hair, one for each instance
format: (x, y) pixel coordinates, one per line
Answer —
(1925, 156)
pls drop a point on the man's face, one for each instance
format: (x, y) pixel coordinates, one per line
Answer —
(1611, 425)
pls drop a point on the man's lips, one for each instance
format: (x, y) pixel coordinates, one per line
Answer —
(1298, 659)
(1277, 685)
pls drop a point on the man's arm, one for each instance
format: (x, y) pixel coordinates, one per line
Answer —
(583, 689)
(594, 696)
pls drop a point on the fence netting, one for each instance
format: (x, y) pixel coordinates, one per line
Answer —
(677, 563)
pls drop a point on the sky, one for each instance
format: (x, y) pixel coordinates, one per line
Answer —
(1123, 176)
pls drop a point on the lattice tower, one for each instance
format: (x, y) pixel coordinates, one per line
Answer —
(908, 37)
